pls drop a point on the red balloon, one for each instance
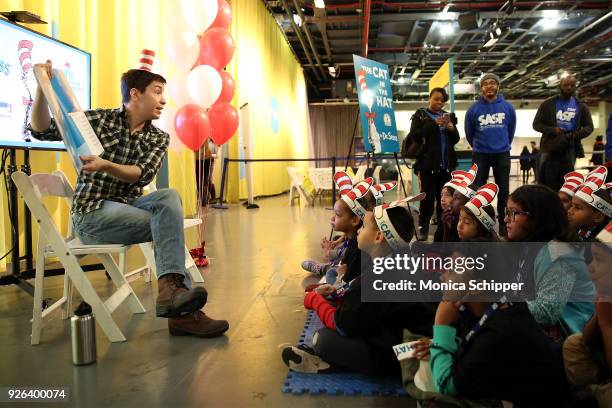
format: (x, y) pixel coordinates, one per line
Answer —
(227, 87)
(192, 126)
(216, 48)
(224, 16)
(223, 122)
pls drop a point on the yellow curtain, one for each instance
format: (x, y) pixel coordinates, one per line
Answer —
(270, 79)
(114, 32)
(264, 69)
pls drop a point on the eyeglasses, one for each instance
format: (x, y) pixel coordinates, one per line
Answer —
(513, 213)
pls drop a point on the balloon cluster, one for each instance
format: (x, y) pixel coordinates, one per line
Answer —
(201, 87)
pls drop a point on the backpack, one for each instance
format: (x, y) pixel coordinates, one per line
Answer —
(411, 149)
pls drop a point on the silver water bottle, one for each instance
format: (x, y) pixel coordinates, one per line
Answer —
(83, 331)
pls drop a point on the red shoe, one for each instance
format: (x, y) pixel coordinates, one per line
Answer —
(201, 261)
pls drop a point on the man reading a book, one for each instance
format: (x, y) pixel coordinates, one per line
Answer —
(108, 206)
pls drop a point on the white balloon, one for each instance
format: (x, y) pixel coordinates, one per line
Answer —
(178, 90)
(204, 85)
(199, 14)
(183, 48)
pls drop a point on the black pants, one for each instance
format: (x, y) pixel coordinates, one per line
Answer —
(431, 185)
(500, 162)
(204, 168)
(552, 168)
(353, 353)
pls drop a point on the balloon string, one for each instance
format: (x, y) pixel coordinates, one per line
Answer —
(200, 171)
(209, 184)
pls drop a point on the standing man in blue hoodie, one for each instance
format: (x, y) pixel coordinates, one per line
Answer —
(489, 127)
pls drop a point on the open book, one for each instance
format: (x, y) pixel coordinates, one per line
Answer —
(77, 133)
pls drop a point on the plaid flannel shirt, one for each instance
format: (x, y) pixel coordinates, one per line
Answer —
(145, 149)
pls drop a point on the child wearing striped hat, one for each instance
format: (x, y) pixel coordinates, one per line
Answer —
(359, 335)
(591, 208)
(477, 216)
(588, 355)
(366, 200)
(573, 180)
(462, 185)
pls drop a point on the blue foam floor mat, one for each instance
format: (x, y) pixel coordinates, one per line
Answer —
(346, 383)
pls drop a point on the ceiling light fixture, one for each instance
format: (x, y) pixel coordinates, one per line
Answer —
(297, 20)
(447, 29)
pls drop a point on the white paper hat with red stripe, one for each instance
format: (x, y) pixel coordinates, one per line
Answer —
(605, 235)
(351, 196)
(595, 181)
(484, 196)
(462, 180)
(343, 181)
(383, 221)
(24, 50)
(147, 58)
(378, 191)
(573, 180)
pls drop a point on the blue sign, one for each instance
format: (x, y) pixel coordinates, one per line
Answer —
(376, 106)
(274, 115)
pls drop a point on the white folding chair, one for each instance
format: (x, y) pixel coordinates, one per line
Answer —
(376, 174)
(297, 187)
(360, 175)
(69, 250)
(406, 177)
(149, 254)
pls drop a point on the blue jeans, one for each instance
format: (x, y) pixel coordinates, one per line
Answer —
(156, 217)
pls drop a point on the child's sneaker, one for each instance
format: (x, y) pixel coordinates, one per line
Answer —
(313, 267)
(303, 360)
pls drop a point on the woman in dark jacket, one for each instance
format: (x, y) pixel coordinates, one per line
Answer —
(436, 130)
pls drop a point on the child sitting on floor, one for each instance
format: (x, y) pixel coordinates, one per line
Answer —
(477, 216)
(550, 264)
(591, 208)
(360, 335)
(573, 180)
(588, 355)
(502, 354)
(350, 266)
(461, 183)
(446, 198)
(348, 211)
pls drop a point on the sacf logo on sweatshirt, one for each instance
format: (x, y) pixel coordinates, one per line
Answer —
(566, 116)
(491, 119)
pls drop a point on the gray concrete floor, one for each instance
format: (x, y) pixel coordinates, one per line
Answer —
(254, 281)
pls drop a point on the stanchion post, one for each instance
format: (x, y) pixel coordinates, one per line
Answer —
(399, 171)
(223, 180)
(333, 197)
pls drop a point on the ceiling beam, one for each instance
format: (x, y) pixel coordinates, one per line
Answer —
(309, 36)
(366, 28)
(300, 39)
(399, 17)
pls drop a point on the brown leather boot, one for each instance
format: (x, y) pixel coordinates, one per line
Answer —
(197, 324)
(174, 299)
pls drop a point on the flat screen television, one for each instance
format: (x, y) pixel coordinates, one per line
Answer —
(20, 49)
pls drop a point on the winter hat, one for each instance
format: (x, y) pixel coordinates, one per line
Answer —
(489, 75)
